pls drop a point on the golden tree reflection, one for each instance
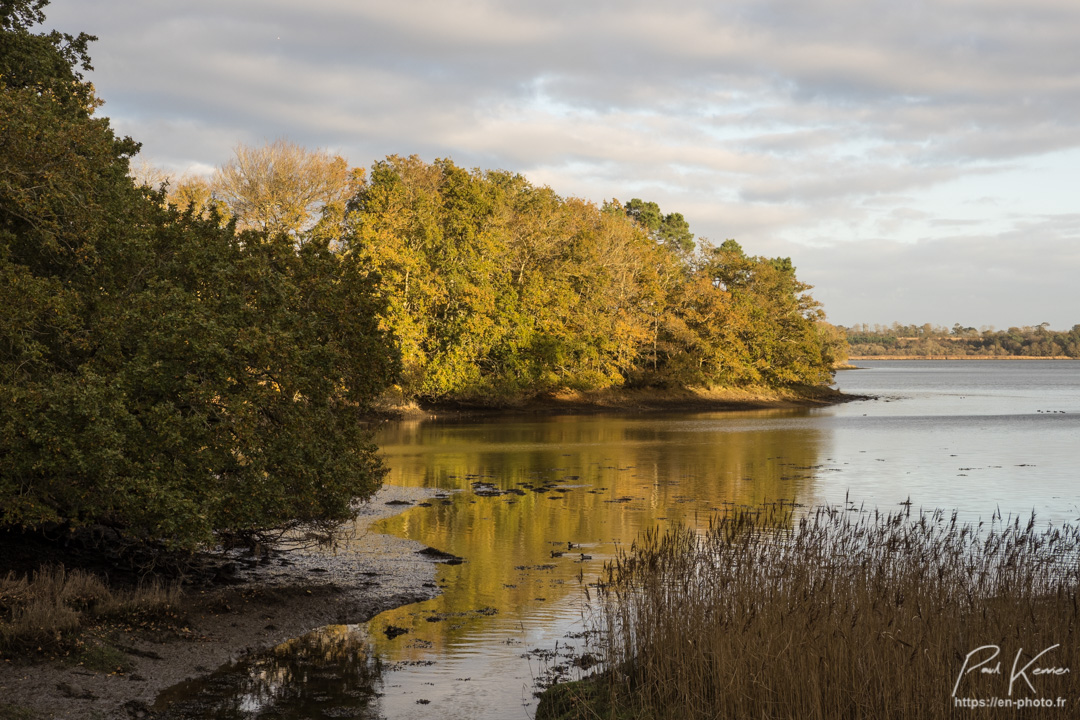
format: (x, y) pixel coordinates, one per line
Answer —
(535, 505)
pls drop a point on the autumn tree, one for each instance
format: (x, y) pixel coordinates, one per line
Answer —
(499, 289)
(280, 187)
(834, 344)
(746, 320)
(194, 194)
(148, 174)
(188, 192)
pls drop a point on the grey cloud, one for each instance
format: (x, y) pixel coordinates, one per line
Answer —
(785, 123)
(1023, 276)
(850, 179)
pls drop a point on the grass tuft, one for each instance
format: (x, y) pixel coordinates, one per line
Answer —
(101, 657)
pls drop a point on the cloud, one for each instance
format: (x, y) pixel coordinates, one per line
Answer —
(1023, 276)
(785, 123)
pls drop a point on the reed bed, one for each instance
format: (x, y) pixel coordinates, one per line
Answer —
(838, 613)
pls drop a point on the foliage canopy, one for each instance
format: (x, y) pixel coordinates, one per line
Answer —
(160, 373)
(498, 288)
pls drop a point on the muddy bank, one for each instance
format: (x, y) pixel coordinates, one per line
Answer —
(647, 400)
(281, 597)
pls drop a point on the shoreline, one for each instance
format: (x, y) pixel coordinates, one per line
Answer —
(573, 402)
(285, 596)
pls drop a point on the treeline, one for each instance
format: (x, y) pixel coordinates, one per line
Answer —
(193, 359)
(959, 341)
(497, 289)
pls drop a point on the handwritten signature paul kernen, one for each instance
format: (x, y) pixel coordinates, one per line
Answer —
(987, 654)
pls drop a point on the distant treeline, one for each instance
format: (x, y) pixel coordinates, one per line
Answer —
(958, 341)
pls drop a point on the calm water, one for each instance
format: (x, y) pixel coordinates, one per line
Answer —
(537, 504)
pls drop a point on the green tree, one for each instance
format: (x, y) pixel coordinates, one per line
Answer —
(749, 321)
(646, 214)
(158, 373)
(671, 230)
(498, 289)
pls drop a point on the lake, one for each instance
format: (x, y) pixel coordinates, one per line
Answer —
(535, 505)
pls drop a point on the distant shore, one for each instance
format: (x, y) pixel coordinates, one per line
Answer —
(960, 357)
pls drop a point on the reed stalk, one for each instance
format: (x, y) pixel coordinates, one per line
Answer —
(836, 613)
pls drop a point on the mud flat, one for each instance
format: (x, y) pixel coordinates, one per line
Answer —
(262, 604)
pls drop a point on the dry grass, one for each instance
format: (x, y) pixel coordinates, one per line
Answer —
(53, 605)
(837, 614)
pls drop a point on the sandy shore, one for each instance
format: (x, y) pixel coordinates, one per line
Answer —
(281, 598)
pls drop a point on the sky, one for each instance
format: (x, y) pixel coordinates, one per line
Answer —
(919, 161)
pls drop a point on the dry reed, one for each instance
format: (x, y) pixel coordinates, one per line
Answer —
(838, 613)
(54, 603)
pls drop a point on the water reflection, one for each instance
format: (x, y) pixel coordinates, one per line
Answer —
(535, 506)
(328, 673)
